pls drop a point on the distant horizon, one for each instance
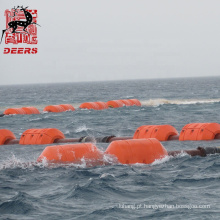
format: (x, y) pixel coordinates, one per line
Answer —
(118, 80)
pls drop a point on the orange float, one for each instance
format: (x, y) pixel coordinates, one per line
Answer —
(160, 132)
(102, 105)
(137, 151)
(14, 111)
(90, 105)
(135, 102)
(41, 136)
(199, 131)
(31, 110)
(67, 107)
(115, 104)
(126, 102)
(73, 153)
(5, 136)
(54, 108)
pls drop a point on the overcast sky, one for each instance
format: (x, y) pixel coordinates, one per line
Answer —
(93, 40)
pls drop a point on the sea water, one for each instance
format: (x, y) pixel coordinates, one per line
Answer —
(183, 187)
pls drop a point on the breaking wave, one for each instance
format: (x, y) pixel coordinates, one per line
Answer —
(158, 102)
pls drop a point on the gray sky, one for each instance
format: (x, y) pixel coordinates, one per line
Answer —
(93, 40)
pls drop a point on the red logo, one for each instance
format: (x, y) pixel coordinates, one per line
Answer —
(21, 27)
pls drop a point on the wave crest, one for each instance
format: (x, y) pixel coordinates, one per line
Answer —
(157, 102)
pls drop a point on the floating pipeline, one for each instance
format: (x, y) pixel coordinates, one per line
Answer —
(68, 107)
(192, 132)
(144, 151)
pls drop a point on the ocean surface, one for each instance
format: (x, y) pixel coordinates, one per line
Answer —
(181, 187)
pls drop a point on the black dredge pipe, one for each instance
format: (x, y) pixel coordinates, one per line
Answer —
(200, 151)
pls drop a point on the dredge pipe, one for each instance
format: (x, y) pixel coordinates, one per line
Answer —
(67, 140)
(217, 136)
(119, 139)
(200, 151)
(11, 142)
(173, 138)
(84, 139)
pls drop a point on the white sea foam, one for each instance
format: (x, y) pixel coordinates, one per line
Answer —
(160, 161)
(109, 159)
(168, 158)
(104, 175)
(81, 128)
(158, 102)
(14, 162)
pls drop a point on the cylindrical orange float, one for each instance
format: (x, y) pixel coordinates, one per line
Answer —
(68, 107)
(73, 153)
(90, 105)
(14, 111)
(102, 105)
(5, 136)
(135, 102)
(161, 132)
(137, 151)
(54, 108)
(199, 131)
(126, 102)
(31, 110)
(41, 136)
(115, 104)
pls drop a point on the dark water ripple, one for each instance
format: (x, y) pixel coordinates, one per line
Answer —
(30, 190)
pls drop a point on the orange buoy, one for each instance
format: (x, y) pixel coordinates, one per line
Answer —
(160, 132)
(199, 131)
(31, 110)
(135, 102)
(54, 108)
(102, 105)
(90, 105)
(115, 104)
(68, 107)
(5, 136)
(12, 111)
(73, 153)
(137, 151)
(126, 102)
(41, 136)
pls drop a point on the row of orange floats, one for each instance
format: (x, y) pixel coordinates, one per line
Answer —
(192, 132)
(144, 151)
(126, 152)
(68, 107)
(145, 147)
